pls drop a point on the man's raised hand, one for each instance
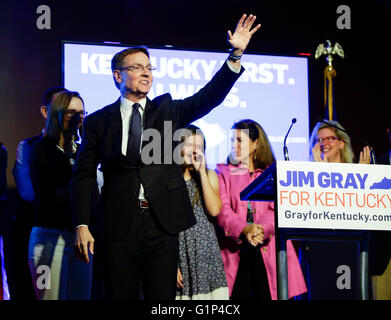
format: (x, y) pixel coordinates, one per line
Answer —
(243, 33)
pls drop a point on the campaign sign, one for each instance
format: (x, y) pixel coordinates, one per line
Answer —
(320, 195)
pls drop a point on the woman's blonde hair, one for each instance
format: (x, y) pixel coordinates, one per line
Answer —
(347, 154)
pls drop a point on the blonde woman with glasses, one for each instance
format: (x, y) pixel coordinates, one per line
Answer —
(329, 144)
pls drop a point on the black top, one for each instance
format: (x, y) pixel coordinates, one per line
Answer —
(3, 170)
(380, 241)
(51, 173)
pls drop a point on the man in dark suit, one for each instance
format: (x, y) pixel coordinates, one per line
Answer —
(386, 157)
(144, 206)
(380, 249)
(3, 220)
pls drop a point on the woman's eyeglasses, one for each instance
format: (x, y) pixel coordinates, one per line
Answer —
(71, 113)
(329, 139)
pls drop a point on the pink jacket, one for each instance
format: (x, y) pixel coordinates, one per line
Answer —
(232, 218)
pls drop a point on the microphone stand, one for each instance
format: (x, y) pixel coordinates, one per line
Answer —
(286, 155)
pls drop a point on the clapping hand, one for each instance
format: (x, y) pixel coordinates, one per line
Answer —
(365, 156)
(317, 153)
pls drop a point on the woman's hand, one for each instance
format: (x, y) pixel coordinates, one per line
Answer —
(179, 279)
(317, 153)
(198, 162)
(74, 123)
(365, 156)
(254, 234)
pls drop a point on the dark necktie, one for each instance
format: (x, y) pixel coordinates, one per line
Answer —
(134, 139)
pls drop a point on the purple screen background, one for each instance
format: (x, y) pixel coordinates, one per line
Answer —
(271, 91)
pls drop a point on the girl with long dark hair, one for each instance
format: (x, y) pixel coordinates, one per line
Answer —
(56, 271)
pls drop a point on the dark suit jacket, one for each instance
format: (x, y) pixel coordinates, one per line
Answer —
(164, 186)
(3, 171)
(383, 159)
(380, 244)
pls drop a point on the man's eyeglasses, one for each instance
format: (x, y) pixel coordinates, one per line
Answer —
(138, 68)
(71, 113)
(327, 139)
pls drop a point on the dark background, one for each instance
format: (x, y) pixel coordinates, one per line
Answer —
(30, 59)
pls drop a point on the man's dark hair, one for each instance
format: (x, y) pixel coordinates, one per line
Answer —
(49, 93)
(117, 60)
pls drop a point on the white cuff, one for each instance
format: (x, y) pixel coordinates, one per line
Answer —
(81, 225)
(232, 68)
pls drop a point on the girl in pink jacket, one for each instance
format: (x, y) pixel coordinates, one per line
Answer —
(247, 242)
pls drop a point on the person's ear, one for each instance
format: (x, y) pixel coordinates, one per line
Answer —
(341, 144)
(256, 143)
(44, 112)
(117, 76)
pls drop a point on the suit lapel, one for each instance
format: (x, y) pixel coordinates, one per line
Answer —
(115, 126)
(148, 115)
(147, 120)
